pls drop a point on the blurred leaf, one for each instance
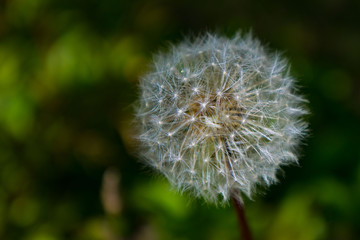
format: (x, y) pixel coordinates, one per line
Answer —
(24, 210)
(158, 196)
(297, 220)
(17, 113)
(42, 232)
(9, 68)
(73, 59)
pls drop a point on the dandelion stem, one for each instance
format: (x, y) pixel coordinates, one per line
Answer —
(243, 225)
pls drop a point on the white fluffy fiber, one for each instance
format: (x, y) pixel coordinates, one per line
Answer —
(219, 116)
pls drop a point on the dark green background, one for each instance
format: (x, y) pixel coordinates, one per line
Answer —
(68, 78)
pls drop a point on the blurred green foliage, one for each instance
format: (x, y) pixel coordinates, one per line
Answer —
(68, 75)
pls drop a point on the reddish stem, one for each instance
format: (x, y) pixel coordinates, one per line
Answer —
(240, 212)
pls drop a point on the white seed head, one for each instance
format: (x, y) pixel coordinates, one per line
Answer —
(230, 116)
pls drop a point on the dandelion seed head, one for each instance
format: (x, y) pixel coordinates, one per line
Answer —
(230, 116)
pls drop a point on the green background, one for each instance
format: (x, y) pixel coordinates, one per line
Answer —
(68, 79)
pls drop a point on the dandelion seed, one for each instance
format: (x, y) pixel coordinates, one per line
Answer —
(179, 112)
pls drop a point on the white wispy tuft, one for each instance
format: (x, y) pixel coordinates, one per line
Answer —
(220, 116)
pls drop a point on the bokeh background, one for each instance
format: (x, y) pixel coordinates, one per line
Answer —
(68, 79)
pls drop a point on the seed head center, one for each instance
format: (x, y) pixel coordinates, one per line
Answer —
(216, 111)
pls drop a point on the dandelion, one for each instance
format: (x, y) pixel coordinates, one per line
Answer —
(230, 116)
